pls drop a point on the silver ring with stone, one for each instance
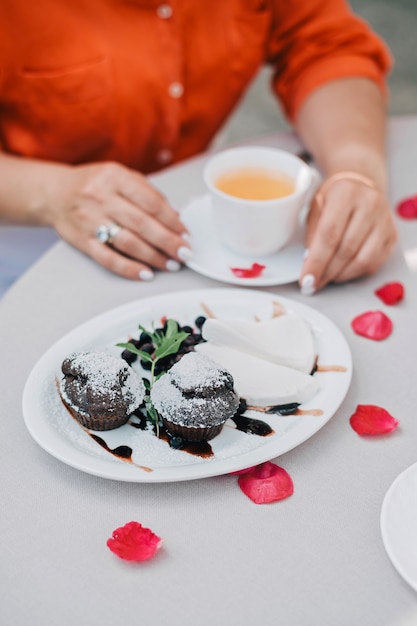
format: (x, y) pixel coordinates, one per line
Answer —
(107, 234)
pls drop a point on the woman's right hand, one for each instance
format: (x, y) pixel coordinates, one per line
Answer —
(151, 235)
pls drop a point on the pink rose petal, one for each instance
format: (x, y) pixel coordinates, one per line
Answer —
(266, 483)
(373, 325)
(249, 272)
(407, 208)
(133, 542)
(391, 293)
(243, 471)
(372, 420)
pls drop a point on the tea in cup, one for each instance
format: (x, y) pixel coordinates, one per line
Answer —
(256, 195)
(255, 183)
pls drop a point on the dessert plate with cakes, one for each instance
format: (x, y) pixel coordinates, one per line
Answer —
(187, 385)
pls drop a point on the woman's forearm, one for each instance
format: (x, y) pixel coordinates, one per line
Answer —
(350, 227)
(343, 124)
(78, 200)
(28, 190)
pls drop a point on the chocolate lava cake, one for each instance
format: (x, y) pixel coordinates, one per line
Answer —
(100, 390)
(195, 398)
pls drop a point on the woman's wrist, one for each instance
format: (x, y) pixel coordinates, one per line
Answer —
(343, 175)
(362, 160)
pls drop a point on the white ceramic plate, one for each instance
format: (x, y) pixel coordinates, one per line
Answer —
(211, 258)
(399, 524)
(52, 427)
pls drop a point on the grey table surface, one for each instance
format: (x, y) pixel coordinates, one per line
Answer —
(315, 559)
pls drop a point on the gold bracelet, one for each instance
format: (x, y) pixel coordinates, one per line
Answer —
(344, 175)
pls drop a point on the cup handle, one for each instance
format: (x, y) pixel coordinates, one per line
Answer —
(316, 181)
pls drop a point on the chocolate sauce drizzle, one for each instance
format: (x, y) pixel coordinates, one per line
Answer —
(203, 449)
(122, 452)
(252, 426)
(326, 368)
(292, 409)
(198, 448)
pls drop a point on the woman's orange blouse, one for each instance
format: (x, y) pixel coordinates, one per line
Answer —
(148, 83)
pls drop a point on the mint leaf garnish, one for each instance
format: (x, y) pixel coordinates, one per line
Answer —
(166, 342)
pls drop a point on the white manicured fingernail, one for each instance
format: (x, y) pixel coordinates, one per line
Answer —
(172, 266)
(307, 285)
(184, 253)
(146, 275)
(306, 253)
(186, 237)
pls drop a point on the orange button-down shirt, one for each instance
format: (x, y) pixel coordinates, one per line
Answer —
(148, 83)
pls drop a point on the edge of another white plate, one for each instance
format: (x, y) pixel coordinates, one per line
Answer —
(398, 523)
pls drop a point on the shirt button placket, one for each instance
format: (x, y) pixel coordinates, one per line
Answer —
(175, 88)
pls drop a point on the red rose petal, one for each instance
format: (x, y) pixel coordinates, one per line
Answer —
(372, 420)
(266, 483)
(373, 325)
(407, 208)
(243, 471)
(391, 293)
(133, 542)
(249, 272)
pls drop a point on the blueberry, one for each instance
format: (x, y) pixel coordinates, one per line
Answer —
(176, 442)
(164, 364)
(200, 321)
(134, 342)
(129, 357)
(186, 349)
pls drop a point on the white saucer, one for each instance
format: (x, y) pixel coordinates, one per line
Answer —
(399, 524)
(211, 258)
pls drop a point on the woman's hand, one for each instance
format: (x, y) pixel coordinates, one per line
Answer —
(350, 233)
(151, 235)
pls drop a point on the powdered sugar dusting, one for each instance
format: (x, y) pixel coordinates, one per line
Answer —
(198, 372)
(147, 448)
(195, 393)
(104, 377)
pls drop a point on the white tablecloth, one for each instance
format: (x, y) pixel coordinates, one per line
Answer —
(314, 559)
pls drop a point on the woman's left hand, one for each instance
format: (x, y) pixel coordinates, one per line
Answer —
(350, 233)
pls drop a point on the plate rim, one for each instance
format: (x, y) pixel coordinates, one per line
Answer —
(385, 530)
(80, 459)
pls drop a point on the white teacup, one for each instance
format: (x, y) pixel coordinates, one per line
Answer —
(258, 226)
